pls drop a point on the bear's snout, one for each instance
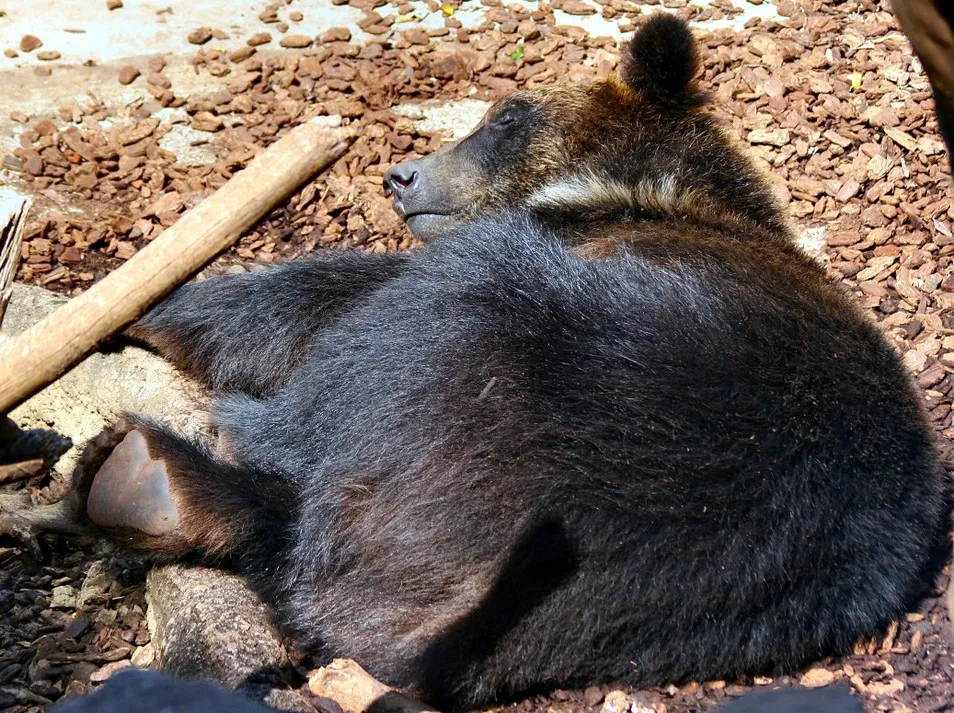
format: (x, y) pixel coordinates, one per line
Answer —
(399, 179)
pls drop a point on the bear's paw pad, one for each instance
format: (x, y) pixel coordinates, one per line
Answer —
(131, 490)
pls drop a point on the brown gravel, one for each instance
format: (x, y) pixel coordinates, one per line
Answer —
(28, 43)
(296, 41)
(829, 99)
(259, 38)
(200, 35)
(128, 74)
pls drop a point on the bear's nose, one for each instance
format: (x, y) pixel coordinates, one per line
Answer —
(398, 179)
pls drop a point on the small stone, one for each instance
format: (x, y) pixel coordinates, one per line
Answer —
(295, 16)
(128, 74)
(200, 35)
(892, 688)
(83, 176)
(931, 376)
(878, 167)
(529, 30)
(170, 201)
(401, 142)
(817, 677)
(48, 55)
(578, 7)
(28, 43)
(207, 121)
(616, 702)
(75, 688)
(114, 4)
(159, 80)
(772, 137)
(592, 696)
(849, 189)
(296, 41)
(144, 655)
(259, 38)
(337, 34)
(63, 597)
(774, 88)
(10, 53)
(33, 164)
(80, 622)
(125, 249)
(873, 217)
(417, 36)
(108, 670)
(837, 138)
(241, 54)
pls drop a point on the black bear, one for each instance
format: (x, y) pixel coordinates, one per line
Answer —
(610, 424)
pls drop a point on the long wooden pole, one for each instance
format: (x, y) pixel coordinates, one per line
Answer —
(39, 355)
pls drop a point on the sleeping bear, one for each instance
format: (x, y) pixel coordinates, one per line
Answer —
(609, 424)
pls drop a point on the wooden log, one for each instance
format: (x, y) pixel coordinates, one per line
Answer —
(356, 691)
(36, 357)
(13, 211)
(21, 471)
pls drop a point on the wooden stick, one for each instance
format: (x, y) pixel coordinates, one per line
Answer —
(39, 355)
(13, 211)
(21, 471)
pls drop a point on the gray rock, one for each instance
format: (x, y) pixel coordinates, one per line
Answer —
(208, 624)
(63, 597)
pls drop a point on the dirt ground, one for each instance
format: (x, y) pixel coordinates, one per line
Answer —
(827, 94)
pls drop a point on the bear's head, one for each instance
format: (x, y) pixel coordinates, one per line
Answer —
(637, 141)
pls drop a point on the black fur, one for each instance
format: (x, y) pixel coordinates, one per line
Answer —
(739, 466)
(662, 62)
(492, 465)
(241, 360)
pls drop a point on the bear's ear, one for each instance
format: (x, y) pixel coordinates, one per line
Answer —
(661, 62)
